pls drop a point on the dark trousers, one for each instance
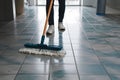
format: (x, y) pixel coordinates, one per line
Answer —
(61, 11)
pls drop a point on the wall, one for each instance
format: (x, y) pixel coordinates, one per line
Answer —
(110, 3)
(10, 8)
(19, 6)
(114, 4)
(92, 3)
(6, 10)
(113, 7)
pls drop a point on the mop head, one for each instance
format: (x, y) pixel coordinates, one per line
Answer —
(45, 52)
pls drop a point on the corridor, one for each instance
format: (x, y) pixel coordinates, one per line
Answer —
(91, 42)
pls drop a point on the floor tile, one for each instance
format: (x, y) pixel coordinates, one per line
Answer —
(112, 68)
(87, 60)
(91, 69)
(9, 69)
(7, 77)
(13, 60)
(31, 77)
(34, 69)
(37, 60)
(64, 69)
(61, 76)
(94, 77)
(115, 77)
(62, 61)
(91, 43)
(110, 60)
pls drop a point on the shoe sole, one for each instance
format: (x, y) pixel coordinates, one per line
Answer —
(62, 30)
(48, 34)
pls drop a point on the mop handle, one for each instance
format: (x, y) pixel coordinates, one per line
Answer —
(47, 17)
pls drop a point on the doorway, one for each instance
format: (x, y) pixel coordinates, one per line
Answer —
(68, 2)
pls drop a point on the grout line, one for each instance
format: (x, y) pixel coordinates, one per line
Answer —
(20, 67)
(73, 54)
(99, 60)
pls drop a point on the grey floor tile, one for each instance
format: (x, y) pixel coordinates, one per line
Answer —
(13, 60)
(62, 76)
(91, 69)
(112, 68)
(91, 43)
(37, 59)
(110, 60)
(94, 77)
(31, 77)
(9, 69)
(104, 50)
(115, 77)
(62, 61)
(64, 68)
(110, 53)
(87, 60)
(34, 69)
(84, 52)
(69, 53)
(12, 52)
(7, 77)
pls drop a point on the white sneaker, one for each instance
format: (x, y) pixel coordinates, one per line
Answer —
(50, 30)
(61, 26)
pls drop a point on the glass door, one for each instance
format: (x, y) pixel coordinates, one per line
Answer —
(73, 2)
(68, 2)
(41, 2)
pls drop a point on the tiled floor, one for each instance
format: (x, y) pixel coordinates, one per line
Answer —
(91, 42)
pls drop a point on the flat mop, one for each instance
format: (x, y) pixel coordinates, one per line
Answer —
(43, 49)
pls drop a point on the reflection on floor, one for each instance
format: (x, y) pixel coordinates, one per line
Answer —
(92, 44)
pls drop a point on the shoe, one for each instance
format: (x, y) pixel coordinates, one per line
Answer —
(61, 26)
(50, 30)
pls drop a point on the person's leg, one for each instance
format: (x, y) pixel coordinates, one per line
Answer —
(51, 17)
(61, 14)
(61, 10)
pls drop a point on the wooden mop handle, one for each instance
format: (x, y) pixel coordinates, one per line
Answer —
(47, 17)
